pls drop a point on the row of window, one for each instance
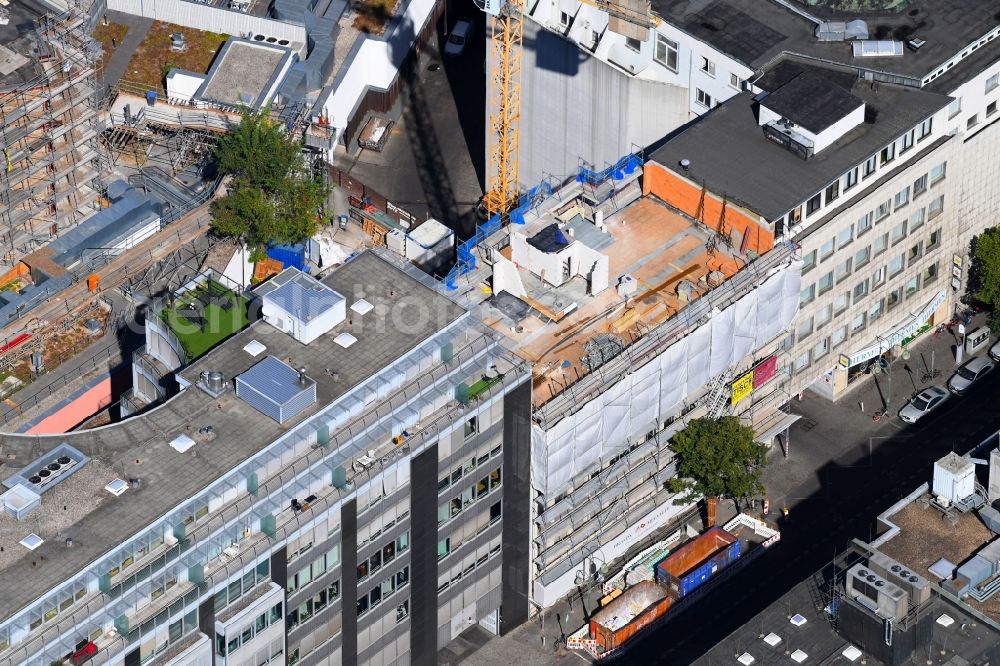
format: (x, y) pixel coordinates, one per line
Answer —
(462, 573)
(383, 590)
(241, 586)
(445, 546)
(382, 557)
(314, 569)
(483, 487)
(260, 623)
(312, 606)
(466, 468)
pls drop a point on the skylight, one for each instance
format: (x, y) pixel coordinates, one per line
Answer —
(345, 340)
(799, 656)
(116, 487)
(851, 653)
(362, 307)
(182, 443)
(254, 348)
(32, 541)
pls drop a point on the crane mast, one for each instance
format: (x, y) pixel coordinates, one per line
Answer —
(505, 111)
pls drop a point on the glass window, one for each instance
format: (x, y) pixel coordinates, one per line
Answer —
(915, 252)
(862, 257)
(804, 328)
(925, 128)
(881, 244)
(389, 552)
(375, 561)
(633, 43)
(895, 296)
(495, 479)
(443, 513)
(992, 82)
(851, 179)
(934, 239)
(917, 219)
(814, 204)
(935, 207)
(826, 249)
(930, 272)
(869, 166)
(825, 283)
(375, 595)
(807, 294)
(938, 172)
(495, 512)
(888, 154)
(857, 323)
(821, 348)
(402, 610)
(823, 316)
(898, 232)
(840, 302)
(864, 223)
(972, 122)
(875, 311)
(838, 336)
(362, 604)
(845, 236)
(444, 547)
(902, 197)
(833, 191)
(896, 265)
(666, 53)
(912, 285)
(707, 66)
(907, 141)
(860, 290)
(955, 108)
(920, 186)
(402, 577)
(808, 260)
(842, 270)
(991, 108)
(482, 486)
(703, 97)
(878, 277)
(402, 542)
(333, 591)
(362, 570)
(883, 211)
(471, 426)
(734, 81)
(802, 361)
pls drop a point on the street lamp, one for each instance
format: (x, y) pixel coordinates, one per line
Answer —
(879, 368)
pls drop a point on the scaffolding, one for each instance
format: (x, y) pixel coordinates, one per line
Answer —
(49, 128)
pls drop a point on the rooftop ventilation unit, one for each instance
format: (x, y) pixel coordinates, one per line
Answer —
(887, 600)
(918, 587)
(915, 44)
(20, 500)
(877, 48)
(49, 470)
(839, 31)
(275, 389)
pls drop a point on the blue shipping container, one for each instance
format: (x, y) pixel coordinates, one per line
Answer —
(290, 256)
(705, 571)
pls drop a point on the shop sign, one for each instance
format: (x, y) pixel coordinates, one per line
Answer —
(742, 387)
(900, 334)
(754, 378)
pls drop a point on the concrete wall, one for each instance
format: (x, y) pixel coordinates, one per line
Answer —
(575, 107)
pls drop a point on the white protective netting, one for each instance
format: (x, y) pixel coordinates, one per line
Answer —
(651, 393)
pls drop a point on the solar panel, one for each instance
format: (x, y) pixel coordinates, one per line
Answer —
(877, 48)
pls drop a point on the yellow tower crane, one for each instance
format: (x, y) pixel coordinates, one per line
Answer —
(504, 99)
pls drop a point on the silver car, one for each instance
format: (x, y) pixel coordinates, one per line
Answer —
(969, 374)
(923, 403)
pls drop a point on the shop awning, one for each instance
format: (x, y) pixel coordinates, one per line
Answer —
(775, 427)
(908, 327)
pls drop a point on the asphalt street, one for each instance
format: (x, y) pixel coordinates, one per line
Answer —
(840, 500)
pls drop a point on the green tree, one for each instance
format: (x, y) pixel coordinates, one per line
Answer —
(273, 197)
(984, 275)
(718, 458)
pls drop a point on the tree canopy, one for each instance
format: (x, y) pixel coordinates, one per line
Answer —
(718, 458)
(273, 197)
(985, 273)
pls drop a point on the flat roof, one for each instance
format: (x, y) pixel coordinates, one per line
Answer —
(139, 447)
(810, 101)
(755, 33)
(243, 72)
(647, 240)
(731, 156)
(105, 228)
(967, 638)
(299, 294)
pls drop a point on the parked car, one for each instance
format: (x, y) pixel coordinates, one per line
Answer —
(923, 403)
(458, 38)
(995, 351)
(969, 374)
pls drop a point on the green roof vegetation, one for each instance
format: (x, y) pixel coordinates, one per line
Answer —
(204, 317)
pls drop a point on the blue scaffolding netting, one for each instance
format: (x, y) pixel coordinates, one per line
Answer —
(466, 260)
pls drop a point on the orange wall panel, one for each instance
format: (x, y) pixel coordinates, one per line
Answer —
(685, 196)
(76, 412)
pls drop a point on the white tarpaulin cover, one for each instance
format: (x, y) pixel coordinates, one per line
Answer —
(652, 393)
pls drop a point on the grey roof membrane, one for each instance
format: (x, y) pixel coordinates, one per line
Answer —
(810, 101)
(275, 379)
(105, 228)
(299, 294)
(730, 155)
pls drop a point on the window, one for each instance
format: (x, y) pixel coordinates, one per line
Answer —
(934, 240)
(869, 167)
(881, 244)
(902, 197)
(564, 19)
(821, 348)
(875, 311)
(851, 179)
(898, 232)
(896, 265)
(802, 361)
(666, 53)
(842, 270)
(807, 295)
(907, 141)
(707, 66)
(862, 257)
(845, 236)
(938, 172)
(954, 108)
(814, 204)
(912, 285)
(860, 290)
(935, 207)
(826, 249)
(833, 191)
(804, 329)
(840, 302)
(823, 316)
(838, 336)
(633, 43)
(858, 323)
(808, 261)
(403, 610)
(991, 108)
(595, 37)
(883, 210)
(973, 121)
(930, 273)
(878, 277)
(795, 216)
(925, 128)
(992, 82)
(734, 81)
(915, 253)
(471, 427)
(895, 296)
(888, 154)
(864, 223)
(703, 98)
(825, 283)
(919, 186)
(495, 512)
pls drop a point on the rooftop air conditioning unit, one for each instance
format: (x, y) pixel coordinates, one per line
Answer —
(887, 599)
(918, 587)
